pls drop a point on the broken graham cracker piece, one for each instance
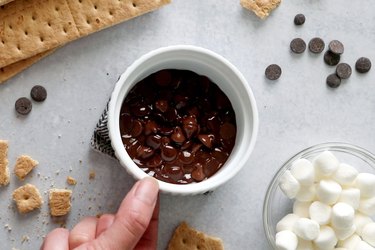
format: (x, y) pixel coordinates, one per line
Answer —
(29, 27)
(13, 69)
(24, 165)
(4, 170)
(187, 238)
(59, 201)
(262, 8)
(71, 181)
(27, 198)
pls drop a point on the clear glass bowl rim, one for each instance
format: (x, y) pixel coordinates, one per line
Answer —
(343, 147)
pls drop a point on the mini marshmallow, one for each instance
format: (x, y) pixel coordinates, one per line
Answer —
(326, 239)
(366, 183)
(289, 185)
(325, 165)
(328, 191)
(350, 243)
(320, 212)
(303, 171)
(286, 240)
(342, 215)
(305, 244)
(306, 193)
(345, 174)
(360, 221)
(306, 229)
(368, 234)
(362, 245)
(367, 206)
(287, 222)
(301, 209)
(344, 233)
(351, 196)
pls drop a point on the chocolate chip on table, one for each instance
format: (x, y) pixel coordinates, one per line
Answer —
(331, 59)
(336, 47)
(316, 45)
(298, 45)
(363, 65)
(23, 106)
(299, 19)
(273, 72)
(38, 93)
(343, 70)
(333, 81)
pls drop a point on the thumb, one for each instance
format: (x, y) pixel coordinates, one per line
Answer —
(132, 218)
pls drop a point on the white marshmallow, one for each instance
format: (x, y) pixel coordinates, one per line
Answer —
(286, 240)
(306, 229)
(328, 191)
(368, 234)
(350, 243)
(301, 208)
(320, 212)
(367, 206)
(360, 221)
(344, 233)
(362, 245)
(289, 185)
(342, 215)
(345, 174)
(326, 239)
(366, 183)
(351, 196)
(306, 193)
(305, 244)
(340, 248)
(287, 222)
(303, 171)
(325, 165)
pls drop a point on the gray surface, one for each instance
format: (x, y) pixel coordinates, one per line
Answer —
(296, 111)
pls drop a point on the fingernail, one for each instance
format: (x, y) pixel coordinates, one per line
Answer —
(147, 190)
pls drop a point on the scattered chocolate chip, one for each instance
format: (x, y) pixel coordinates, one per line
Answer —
(336, 47)
(273, 72)
(297, 45)
(23, 106)
(331, 59)
(38, 93)
(333, 81)
(343, 70)
(316, 45)
(363, 65)
(299, 19)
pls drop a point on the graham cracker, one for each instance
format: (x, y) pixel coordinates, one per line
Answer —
(27, 198)
(29, 27)
(59, 201)
(13, 69)
(262, 8)
(4, 170)
(24, 165)
(187, 238)
(3, 2)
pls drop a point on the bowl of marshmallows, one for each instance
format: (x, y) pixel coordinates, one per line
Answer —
(323, 198)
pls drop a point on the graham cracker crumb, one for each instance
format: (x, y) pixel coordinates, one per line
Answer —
(262, 8)
(4, 170)
(27, 198)
(59, 201)
(24, 165)
(71, 181)
(92, 175)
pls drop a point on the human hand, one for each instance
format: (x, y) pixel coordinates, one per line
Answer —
(134, 226)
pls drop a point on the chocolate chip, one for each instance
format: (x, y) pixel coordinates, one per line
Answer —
(316, 45)
(23, 106)
(273, 72)
(333, 81)
(343, 70)
(336, 47)
(363, 65)
(38, 93)
(299, 19)
(331, 59)
(298, 45)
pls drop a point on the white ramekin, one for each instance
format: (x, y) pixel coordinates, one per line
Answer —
(221, 72)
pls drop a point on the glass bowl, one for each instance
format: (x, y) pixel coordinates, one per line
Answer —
(277, 205)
